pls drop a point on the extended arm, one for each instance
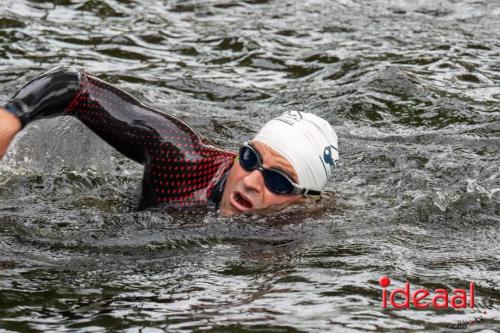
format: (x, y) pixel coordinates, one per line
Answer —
(179, 165)
(121, 120)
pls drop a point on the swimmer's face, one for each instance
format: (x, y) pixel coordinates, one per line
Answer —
(246, 191)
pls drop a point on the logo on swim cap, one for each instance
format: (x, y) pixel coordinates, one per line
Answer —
(328, 158)
(290, 117)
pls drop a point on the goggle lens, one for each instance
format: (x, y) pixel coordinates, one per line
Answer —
(249, 159)
(277, 182)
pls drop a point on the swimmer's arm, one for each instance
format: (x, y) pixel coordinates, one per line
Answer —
(118, 118)
(10, 125)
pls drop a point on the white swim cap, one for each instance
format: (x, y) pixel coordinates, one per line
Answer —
(307, 141)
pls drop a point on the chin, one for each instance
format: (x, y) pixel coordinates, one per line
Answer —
(227, 212)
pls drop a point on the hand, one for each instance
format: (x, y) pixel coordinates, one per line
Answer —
(9, 126)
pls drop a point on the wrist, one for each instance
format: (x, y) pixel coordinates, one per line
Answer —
(10, 122)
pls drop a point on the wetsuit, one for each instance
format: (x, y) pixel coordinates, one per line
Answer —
(179, 165)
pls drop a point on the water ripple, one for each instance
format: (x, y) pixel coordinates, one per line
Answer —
(410, 87)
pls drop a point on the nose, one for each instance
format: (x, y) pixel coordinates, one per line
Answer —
(254, 180)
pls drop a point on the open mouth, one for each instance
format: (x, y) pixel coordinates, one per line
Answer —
(240, 202)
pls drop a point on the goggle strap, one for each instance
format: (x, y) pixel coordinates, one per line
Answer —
(311, 192)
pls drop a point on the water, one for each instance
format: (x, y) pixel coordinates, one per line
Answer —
(412, 90)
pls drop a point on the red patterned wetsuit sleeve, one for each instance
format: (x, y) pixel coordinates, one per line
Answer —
(179, 166)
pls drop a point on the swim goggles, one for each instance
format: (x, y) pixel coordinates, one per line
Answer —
(276, 181)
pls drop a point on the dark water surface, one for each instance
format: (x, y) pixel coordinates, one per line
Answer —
(412, 88)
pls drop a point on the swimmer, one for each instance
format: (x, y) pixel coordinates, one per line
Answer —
(290, 159)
